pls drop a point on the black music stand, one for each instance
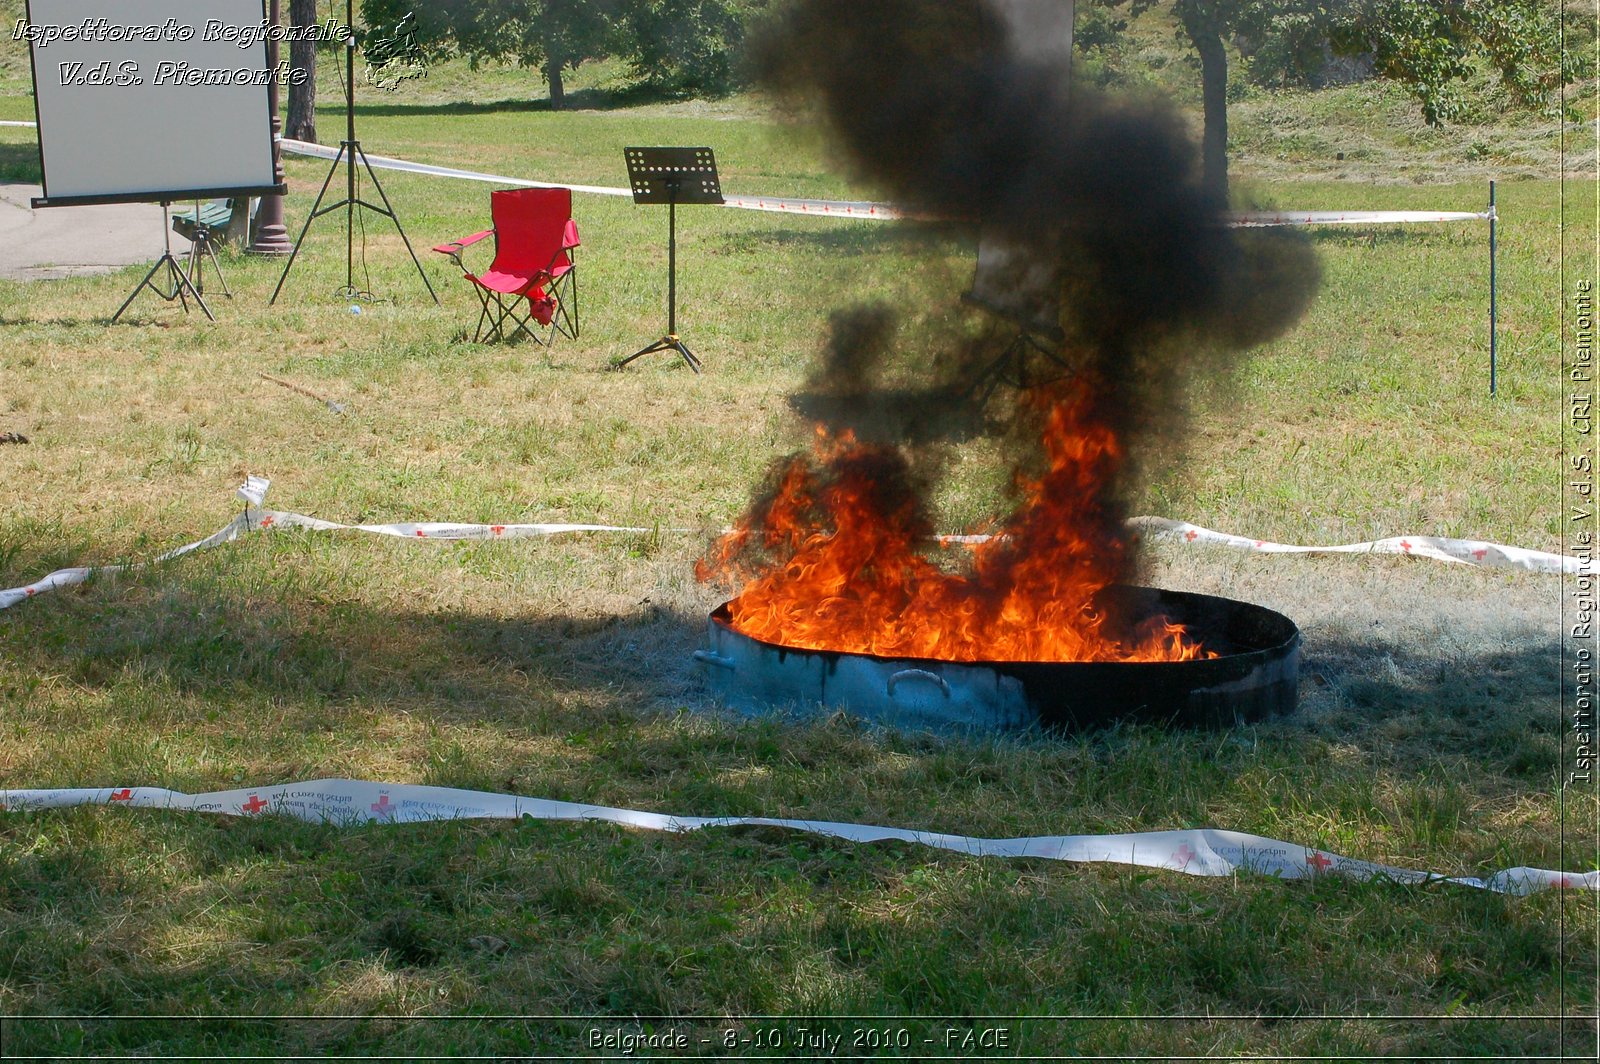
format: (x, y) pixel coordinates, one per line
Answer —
(672, 176)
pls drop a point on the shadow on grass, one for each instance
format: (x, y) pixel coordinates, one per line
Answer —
(1497, 708)
(20, 162)
(225, 643)
(279, 917)
(589, 99)
(1492, 707)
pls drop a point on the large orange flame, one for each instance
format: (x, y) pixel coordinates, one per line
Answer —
(836, 559)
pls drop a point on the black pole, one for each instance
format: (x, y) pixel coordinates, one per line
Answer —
(1492, 330)
(350, 153)
(672, 265)
(350, 141)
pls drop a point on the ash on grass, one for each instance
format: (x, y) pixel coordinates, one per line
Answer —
(1449, 667)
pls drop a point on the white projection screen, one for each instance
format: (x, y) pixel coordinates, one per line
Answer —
(150, 100)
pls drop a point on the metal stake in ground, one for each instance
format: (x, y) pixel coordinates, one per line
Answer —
(672, 176)
(349, 152)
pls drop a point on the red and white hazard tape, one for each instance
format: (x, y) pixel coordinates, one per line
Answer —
(854, 208)
(256, 518)
(1250, 219)
(1197, 852)
(774, 204)
(868, 209)
(1465, 551)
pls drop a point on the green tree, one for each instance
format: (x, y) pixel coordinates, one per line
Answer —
(687, 46)
(681, 46)
(551, 36)
(1427, 45)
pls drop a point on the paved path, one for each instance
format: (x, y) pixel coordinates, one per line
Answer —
(67, 241)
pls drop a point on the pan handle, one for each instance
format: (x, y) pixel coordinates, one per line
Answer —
(918, 674)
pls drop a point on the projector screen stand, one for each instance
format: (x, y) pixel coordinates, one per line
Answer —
(177, 280)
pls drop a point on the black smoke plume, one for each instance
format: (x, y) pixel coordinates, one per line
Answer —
(947, 109)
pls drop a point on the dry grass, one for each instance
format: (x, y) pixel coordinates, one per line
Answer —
(1428, 734)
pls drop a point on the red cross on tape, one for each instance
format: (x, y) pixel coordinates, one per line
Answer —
(1319, 862)
(382, 806)
(1480, 553)
(1405, 546)
(1191, 535)
(266, 522)
(1183, 855)
(421, 534)
(497, 529)
(123, 795)
(254, 805)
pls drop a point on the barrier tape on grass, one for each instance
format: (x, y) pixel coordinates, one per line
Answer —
(853, 208)
(256, 518)
(867, 208)
(1198, 851)
(1439, 548)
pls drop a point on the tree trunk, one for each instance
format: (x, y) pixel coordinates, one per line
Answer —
(1206, 33)
(302, 117)
(558, 91)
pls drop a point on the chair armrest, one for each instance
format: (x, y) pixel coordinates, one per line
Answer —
(569, 239)
(455, 247)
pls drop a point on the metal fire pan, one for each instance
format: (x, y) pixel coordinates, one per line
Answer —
(1255, 675)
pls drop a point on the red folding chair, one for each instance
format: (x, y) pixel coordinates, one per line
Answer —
(534, 276)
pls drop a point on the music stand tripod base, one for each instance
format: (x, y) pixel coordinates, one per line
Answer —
(668, 342)
(176, 277)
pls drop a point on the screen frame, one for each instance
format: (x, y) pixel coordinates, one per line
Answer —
(156, 195)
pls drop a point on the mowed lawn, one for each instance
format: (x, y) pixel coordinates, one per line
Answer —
(1428, 734)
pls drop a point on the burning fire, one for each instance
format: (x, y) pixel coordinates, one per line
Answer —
(834, 559)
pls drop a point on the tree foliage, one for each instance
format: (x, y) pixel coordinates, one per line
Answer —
(551, 36)
(1429, 46)
(687, 46)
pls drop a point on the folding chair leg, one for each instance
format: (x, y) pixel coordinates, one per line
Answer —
(565, 317)
(478, 333)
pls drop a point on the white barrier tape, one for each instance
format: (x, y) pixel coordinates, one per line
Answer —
(79, 574)
(856, 208)
(384, 162)
(255, 518)
(449, 530)
(1466, 551)
(777, 204)
(1198, 852)
(869, 209)
(1264, 218)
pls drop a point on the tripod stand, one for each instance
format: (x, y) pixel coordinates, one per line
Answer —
(349, 152)
(176, 277)
(201, 248)
(672, 176)
(1012, 366)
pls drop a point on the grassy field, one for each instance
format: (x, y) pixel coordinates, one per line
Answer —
(1428, 735)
